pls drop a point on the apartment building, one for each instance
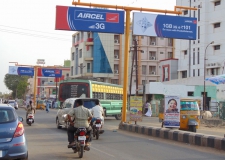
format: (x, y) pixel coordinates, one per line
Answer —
(101, 55)
(210, 28)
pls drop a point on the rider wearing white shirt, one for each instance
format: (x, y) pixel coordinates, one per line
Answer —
(97, 111)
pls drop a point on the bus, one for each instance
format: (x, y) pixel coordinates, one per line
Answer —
(110, 95)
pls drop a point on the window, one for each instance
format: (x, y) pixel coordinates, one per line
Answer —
(185, 12)
(7, 115)
(72, 56)
(170, 42)
(116, 38)
(115, 81)
(161, 52)
(152, 80)
(185, 52)
(217, 47)
(152, 69)
(143, 82)
(198, 72)
(72, 71)
(193, 72)
(217, 3)
(144, 70)
(198, 32)
(116, 54)
(216, 25)
(116, 68)
(170, 54)
(88, 68)
(198, 58)
(194, 14)
(162, 38)
(194, 58)
(142, 51)
(198, 14)
(81, 68)
(142, 37)
(190, 94)
(80, 53)
(184, 74)
(89, 35)
(214, 71)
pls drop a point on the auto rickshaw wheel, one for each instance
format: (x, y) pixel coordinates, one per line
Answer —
(192, 128)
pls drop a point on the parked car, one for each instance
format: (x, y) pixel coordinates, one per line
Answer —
(67, 106)
(13, 143)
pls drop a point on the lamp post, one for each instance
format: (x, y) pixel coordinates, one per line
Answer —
(204, 98)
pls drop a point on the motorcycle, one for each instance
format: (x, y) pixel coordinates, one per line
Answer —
(97, 125)
(16, 106)
(80, 140)
(30, 119)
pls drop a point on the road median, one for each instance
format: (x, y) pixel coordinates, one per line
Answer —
(197, 139)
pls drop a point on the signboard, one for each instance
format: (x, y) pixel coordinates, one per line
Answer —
(147, 24)
(22, 71)
(40, 61)
(172, 112)
(51, 73)
(136, 108)
(89, 19)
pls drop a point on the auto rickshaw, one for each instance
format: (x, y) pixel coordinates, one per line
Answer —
(41, 105)
(189, 114)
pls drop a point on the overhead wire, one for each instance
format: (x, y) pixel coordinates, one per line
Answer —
(33, 35)
(31, 30)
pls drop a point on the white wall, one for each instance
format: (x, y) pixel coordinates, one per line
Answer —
(160, 88)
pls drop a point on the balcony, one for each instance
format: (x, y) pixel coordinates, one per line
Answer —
(89, 42)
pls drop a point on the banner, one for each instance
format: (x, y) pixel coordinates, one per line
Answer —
(147, 24)
(21, 71)
(136, 108)
(172, 112)
(89, 19)
(57, 73)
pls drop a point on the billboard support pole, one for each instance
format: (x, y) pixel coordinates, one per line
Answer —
(35, 84)
(126, 61)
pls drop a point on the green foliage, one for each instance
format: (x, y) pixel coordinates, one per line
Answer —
(18, 84)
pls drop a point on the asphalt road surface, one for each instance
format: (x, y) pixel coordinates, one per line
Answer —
(46, 142)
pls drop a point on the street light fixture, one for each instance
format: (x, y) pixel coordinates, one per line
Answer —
(204, 97)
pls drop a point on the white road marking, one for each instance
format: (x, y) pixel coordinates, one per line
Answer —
(102, 151)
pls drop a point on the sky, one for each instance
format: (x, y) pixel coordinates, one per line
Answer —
(27, 31)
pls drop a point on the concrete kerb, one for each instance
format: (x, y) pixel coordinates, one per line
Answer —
(180, 136)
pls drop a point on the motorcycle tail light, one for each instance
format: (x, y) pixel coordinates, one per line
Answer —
(98, 121)
(30, 116)
(82, 133)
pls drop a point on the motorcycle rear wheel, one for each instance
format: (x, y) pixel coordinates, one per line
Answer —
(81, 151)
(97, 134)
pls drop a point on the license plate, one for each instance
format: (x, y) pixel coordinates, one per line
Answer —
(1, 155)
(30, 120)
(82, 138)
(98, 125)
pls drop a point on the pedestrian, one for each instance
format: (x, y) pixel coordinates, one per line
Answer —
(47, 107)
(146, 106)
(149, 111)
(53, 104)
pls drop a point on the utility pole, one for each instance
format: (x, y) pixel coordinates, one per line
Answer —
(136, 62)
(131, 74)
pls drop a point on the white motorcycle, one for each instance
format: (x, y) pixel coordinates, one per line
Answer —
(30, 119)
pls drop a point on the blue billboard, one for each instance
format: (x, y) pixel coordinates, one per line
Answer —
(21, 71)
(51, 73)
(89, 19)
(164, 26)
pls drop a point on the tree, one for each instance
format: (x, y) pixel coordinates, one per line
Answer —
(18, 84)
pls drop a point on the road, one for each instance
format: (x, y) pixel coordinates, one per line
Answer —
(46, 142)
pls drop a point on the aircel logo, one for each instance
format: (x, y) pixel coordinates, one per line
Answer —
(97, 16)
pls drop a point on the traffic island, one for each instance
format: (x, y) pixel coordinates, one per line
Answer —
(197, 139)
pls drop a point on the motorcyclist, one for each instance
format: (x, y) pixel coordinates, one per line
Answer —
(97, 112)
(30, 109)
(82, 117)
